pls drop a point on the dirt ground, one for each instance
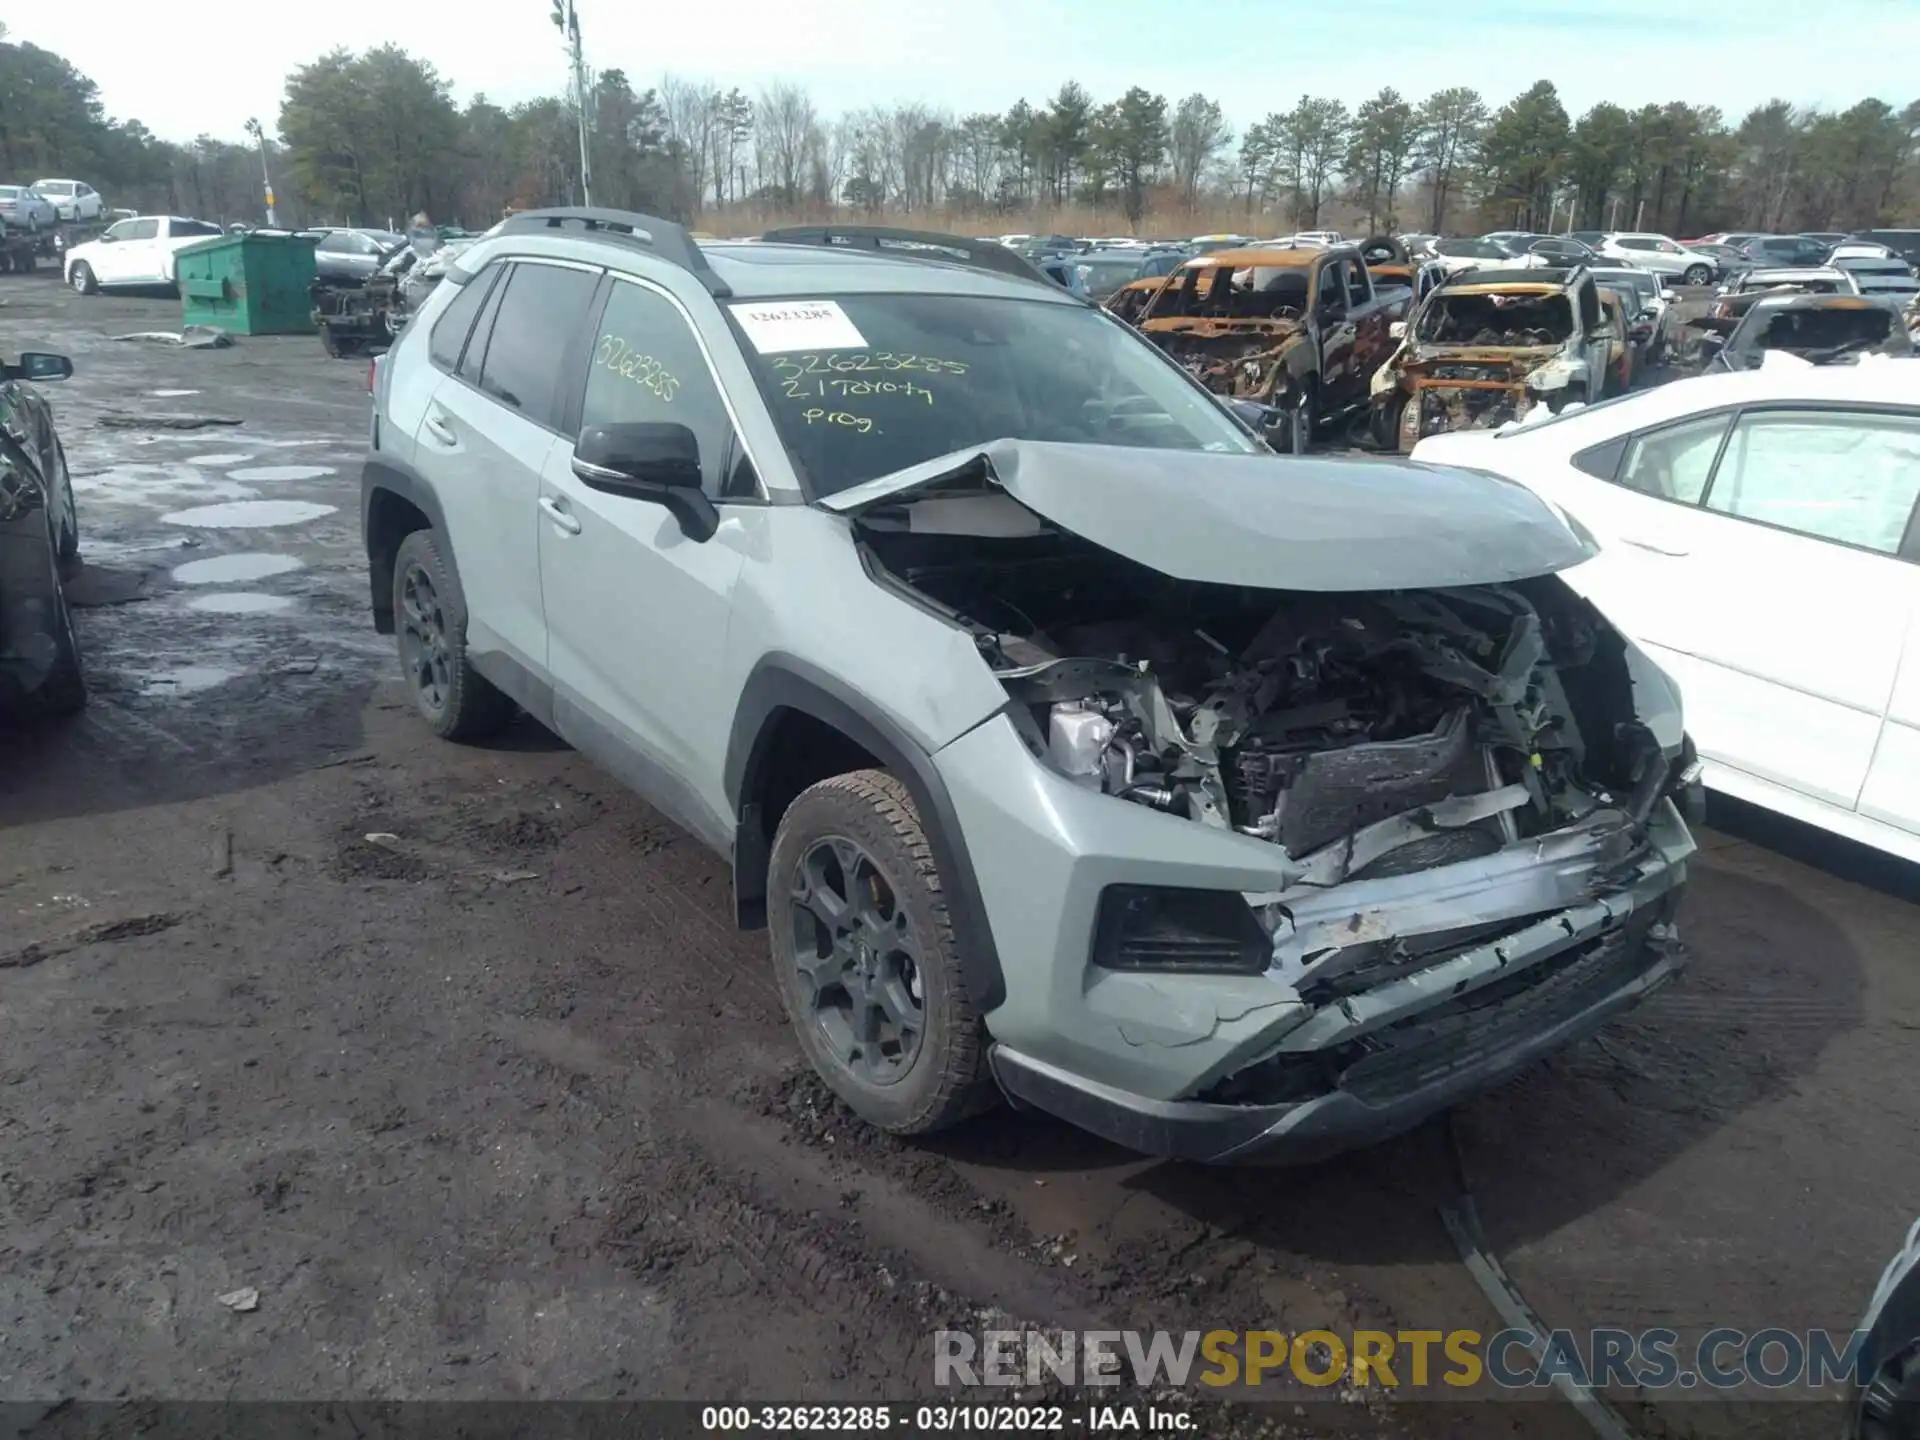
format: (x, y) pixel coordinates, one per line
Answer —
(453, 1055)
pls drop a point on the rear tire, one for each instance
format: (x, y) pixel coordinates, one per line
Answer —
(64, 691)
(852, 847)
(82, 279)
(430, 626)
(1696, 275)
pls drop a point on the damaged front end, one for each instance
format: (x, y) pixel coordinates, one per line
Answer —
(1475, 361)
(1462, 796)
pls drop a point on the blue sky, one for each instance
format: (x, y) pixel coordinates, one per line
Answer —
(1252, 55)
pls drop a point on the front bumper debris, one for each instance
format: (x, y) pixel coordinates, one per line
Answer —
(1369, 1064)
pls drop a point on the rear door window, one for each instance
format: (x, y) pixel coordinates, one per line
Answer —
(539, 319)
(1675, 462)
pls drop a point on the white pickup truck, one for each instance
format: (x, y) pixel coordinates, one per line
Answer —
(137, 251)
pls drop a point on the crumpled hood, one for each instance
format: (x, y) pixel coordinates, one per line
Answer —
(1301, 523)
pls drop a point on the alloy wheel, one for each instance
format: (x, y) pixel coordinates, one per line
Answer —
(423, 639)
(859, 960)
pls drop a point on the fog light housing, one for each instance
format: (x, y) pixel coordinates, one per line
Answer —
(1171, 930)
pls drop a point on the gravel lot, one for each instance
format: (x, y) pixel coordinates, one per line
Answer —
(501, 1106)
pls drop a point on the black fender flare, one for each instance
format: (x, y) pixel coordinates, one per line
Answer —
(383, 474)
(781, 683)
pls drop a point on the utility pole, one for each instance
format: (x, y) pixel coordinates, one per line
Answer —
(566, 20)
(266, 180)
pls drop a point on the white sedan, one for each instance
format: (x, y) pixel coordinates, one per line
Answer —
(1760, 537)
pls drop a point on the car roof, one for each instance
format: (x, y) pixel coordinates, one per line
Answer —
(1790, 273)
(762, 269)
(1891, 380)
(1276, 258)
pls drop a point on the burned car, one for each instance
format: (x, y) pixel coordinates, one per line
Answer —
(1820, 329)
(1488, 346)
(1299, 330)
(356, 317)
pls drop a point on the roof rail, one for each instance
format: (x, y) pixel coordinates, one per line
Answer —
(660, 237)
(913, 245)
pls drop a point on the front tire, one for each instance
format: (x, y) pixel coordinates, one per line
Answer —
(1696, 275)
(66, 548)
(430, 626)
(82, 279)
(64, 691)
(866, 959)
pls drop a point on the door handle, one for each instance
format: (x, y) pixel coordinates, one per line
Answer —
(1650, 546)
(558, 514)
(440, 429)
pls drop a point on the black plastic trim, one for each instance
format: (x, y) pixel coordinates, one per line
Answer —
(783, 682)
(964, 250)
(396, 477)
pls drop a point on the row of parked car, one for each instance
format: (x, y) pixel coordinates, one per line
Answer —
(47, 203)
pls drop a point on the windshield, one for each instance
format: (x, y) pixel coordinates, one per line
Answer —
(888, 381)
(1815, 333)
(1523, 318)
(1104, 276)
(1470, 249)
(1640, 282)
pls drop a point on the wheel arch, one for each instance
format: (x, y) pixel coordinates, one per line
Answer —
(395, 501)
(783, 692)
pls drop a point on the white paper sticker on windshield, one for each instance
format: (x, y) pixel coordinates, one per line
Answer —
(780, 325)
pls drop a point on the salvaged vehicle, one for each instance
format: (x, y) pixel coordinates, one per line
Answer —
(1820, 329)
(355, 317)
(39, 546)
(1300, 330)
(1486, 347)
(1060, 737)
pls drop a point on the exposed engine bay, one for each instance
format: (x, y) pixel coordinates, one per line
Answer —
(1298, 718)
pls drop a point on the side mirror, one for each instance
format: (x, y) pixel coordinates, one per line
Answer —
(1397, 330)
(1667, 292)
(39, 365)
(1711, 345)
(1263, 420)
(655, 462)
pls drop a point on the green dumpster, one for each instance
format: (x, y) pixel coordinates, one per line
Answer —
(253, 284)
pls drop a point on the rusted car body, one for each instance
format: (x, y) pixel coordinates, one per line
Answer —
(1300, 330)
(1820, 329)
(1130, 301)
(1486, 347)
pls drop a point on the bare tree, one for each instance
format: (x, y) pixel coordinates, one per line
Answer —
(1199, 134)
(786, 127)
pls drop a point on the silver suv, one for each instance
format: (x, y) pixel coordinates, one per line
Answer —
(1062, 737)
